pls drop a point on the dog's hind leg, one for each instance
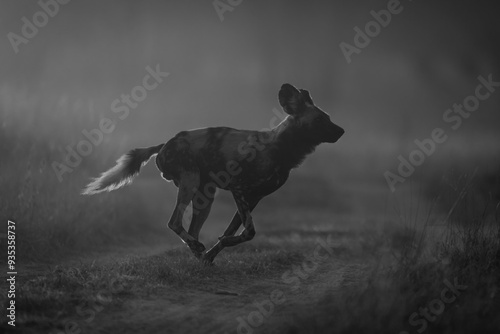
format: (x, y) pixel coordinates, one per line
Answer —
(202, 203)
(188, 186)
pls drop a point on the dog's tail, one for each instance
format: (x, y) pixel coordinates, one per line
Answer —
(126, 168)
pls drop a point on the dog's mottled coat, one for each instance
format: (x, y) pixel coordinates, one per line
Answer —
(250, 164)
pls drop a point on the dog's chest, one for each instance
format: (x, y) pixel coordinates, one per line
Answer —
(274, 181)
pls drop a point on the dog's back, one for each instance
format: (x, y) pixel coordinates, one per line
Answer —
(211, 151)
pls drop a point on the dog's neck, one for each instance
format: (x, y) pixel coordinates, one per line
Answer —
(292, 143)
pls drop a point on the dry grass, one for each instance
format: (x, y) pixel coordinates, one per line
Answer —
(469, 252)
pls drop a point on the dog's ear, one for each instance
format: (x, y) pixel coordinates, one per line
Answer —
(290, 99)
(306, 96)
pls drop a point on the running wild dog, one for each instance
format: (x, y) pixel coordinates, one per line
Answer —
(250, 164)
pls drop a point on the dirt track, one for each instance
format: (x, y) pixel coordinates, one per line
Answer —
(226, 303)
(210, 310)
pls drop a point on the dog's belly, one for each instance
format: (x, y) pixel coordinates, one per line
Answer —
(255, 184)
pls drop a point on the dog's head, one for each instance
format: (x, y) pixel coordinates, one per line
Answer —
(299, 105)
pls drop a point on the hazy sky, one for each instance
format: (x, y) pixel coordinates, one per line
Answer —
(228, 72)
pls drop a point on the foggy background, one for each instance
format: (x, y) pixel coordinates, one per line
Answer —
(228, 73)
(391, 251)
